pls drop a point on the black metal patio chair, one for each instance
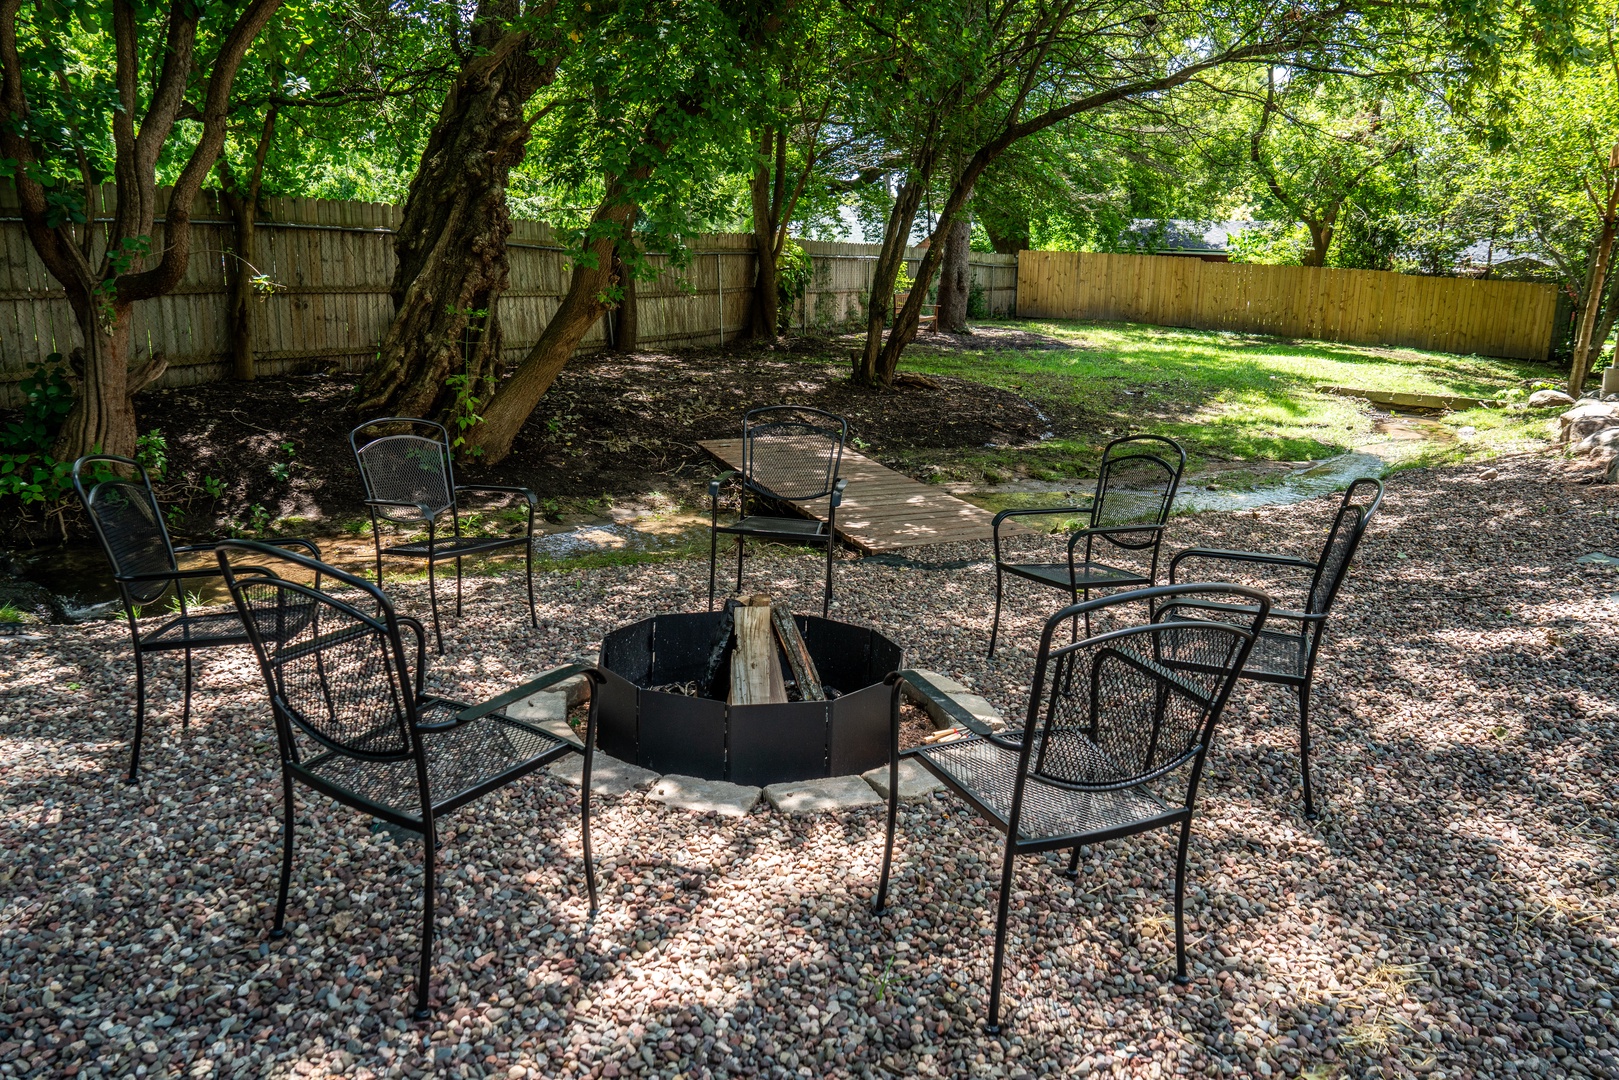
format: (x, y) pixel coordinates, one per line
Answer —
(353, 722)
(410, 481)
(1112, 744)
(129, 523)
(1135, 487)
(790, 453)
(1286, 653)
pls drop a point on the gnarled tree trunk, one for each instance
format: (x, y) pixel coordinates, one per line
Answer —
(584, 303)
(451, 245)
(102, 418)
(955, 280)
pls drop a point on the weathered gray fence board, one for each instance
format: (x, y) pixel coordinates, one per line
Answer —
(333, 263)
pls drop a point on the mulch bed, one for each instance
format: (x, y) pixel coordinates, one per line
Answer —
(614, 424)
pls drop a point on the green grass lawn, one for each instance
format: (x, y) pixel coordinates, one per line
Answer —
(1230, 397)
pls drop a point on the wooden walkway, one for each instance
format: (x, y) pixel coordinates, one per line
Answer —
(883, 510)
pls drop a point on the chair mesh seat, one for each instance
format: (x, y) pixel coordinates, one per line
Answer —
(205, 630)
(779, 525)
(1049, 811)
(459, 759)
(1086, 574)
(225, 627)
(446, 547)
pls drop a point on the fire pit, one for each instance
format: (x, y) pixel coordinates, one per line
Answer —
(654, 712)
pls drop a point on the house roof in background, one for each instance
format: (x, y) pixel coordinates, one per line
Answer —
(1182, 235)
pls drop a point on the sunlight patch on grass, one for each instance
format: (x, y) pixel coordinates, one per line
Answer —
(1229, 396)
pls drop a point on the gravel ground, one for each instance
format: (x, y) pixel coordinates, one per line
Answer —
(1451, 915)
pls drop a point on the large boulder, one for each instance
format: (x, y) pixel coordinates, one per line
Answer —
(1586, 419)
(1545, 399)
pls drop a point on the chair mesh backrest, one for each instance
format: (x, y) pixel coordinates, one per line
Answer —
(1354, 514)
(408, 469)
(792, 453)
(131, 528)
(332, 670)
(1136, 485)
(1117, 714)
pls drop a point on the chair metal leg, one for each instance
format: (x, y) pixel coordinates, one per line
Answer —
(429, 866)
(432, 597)
(584, 810)
(1073, 864)
(888, 845)
(739, 564)
(458, 588)
(528, 559)
(185, 709)
(826, 598)
(1003, 911)
(713, 562)
(1180, 904)
(995, 624)
(279, 930)
(140, 717)
(379, 564)
(1304, 750)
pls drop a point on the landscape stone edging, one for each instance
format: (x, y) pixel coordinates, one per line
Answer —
(545, 711)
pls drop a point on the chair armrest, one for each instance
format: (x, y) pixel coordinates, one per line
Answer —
(169, 575)
(534, 686)
(1007, 514)
(420, 633)
(506, 489)
(837, 494)
(1213, 605)
(280, 541)
(919, 683)
(714, 484)
(1238, 556)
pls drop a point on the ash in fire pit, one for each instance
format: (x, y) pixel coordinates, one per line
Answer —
(664, 704)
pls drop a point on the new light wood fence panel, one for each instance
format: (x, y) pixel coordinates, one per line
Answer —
(1362, 307)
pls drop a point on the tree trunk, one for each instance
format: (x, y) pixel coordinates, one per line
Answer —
(240, 312)
(955, 282)
(103, 417)
(580, 308)
(1593, 297)
(451, 245)
(897, 232)
(1320, 241)
(766, 283)
(627, 333)
(905, 320)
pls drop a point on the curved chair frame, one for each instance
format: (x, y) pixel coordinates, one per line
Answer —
(1080, 578)
(141, 587)
(795, 530)
(1299, 647)
(426, 514)
(1113, 799)
(406, 737)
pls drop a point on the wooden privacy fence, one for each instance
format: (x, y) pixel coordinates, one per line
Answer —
(332, 263)
(840, 283)
(1364, 307)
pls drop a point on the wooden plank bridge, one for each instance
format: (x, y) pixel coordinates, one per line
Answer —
(883, 510)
